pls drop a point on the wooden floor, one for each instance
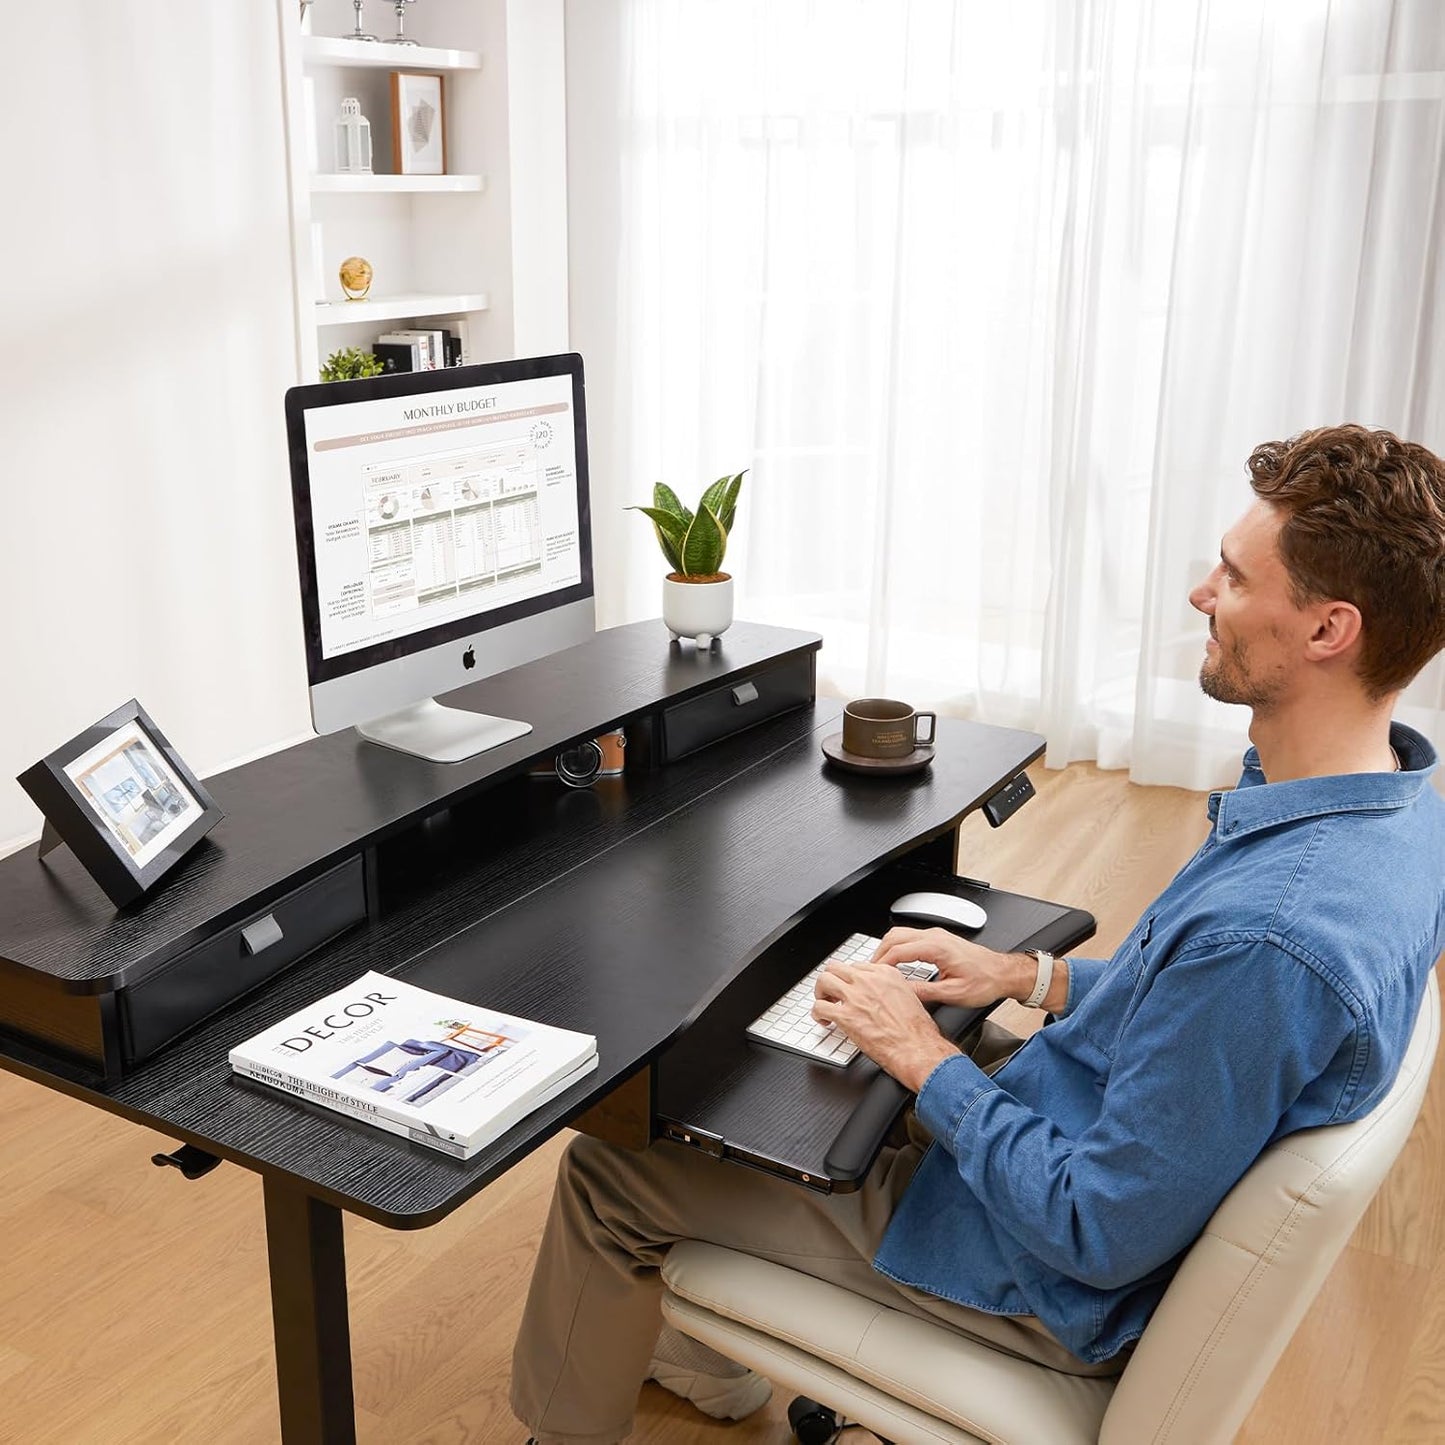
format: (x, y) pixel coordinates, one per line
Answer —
(134, 1306)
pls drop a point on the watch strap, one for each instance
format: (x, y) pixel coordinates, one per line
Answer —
(1045, 961)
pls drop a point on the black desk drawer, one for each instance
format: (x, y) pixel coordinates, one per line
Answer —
(212, 974)
(726, 710)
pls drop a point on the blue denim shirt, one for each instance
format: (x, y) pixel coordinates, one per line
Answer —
(1271, 987)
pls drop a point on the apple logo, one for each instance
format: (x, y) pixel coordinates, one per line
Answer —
(469, 658)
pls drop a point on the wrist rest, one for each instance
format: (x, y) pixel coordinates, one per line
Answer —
(857, 1143)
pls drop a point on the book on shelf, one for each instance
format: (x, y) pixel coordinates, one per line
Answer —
(410, 347)
(413, 350)
(451, 1075)
(397, 354)
(433, 347)
(458, 340)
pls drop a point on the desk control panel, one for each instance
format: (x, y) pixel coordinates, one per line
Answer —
(1008, 800)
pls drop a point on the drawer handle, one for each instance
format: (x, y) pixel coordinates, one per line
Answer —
(261, 934)
(744, 692)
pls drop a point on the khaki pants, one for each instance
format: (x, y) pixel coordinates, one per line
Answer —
(592, 1314)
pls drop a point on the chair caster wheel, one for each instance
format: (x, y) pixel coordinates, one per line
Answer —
(812, 1423)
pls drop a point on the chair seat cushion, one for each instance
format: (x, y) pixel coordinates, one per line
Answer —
(944, 1373)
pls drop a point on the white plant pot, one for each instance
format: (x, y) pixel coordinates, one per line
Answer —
(700, 610)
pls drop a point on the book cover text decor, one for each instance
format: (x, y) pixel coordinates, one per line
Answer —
(445, 1073)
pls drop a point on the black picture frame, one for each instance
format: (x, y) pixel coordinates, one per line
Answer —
(123, 800)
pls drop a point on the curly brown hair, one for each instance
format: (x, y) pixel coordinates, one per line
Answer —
(1365, 524)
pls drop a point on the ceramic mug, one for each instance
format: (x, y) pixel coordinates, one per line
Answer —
(883, 727)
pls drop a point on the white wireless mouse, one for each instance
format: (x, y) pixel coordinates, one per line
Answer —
(941, 908)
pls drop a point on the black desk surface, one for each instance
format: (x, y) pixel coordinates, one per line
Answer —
(623, 910)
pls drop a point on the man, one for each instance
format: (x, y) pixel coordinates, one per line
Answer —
(1272, 987)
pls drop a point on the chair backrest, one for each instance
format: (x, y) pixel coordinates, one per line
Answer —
(1246, 1283)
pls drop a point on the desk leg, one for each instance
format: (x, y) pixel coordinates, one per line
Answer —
(940, 852)
(308, 1315)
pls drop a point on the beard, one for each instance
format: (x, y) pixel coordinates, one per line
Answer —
(1228, 677)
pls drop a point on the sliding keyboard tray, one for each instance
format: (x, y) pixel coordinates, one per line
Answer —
(817, 1124)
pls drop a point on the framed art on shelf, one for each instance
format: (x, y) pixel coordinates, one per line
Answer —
(123, 800)
(418, 131)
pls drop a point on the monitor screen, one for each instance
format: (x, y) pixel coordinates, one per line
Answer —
(435, 508)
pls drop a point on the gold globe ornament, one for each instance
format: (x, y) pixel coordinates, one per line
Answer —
(355, 273)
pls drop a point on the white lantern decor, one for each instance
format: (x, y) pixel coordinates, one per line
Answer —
(353, 139)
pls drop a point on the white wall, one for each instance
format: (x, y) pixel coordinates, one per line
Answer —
(594, 149)
(146, 338)
(537, 161)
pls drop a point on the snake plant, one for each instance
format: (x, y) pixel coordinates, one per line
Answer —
(694, 542)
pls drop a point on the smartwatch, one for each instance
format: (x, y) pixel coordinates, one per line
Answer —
(1045, 961)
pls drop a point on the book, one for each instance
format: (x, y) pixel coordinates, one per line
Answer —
(401, 345)
(395, 355)
(444, 1073)
(457, 331)
(433, 351)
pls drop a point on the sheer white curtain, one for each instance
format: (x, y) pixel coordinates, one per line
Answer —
(994, 301)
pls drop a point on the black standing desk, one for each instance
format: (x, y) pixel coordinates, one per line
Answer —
(624, 911)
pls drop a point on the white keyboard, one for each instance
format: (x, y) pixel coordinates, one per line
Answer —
(789, 1023)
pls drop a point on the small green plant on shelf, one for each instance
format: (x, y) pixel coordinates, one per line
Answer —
(350, 364)
(695, 543)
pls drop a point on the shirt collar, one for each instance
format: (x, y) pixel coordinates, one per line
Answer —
(1257, 803)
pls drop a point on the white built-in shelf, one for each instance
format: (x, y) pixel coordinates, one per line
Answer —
(393, 308)
(395, 185)
(378, 55)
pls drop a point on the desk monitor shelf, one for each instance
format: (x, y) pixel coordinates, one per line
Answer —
(304, 829)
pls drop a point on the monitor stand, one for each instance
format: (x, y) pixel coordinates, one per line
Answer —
(441, 734)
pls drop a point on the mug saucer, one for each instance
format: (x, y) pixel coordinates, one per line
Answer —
(838, 755)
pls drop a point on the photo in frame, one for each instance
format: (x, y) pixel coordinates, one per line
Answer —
(122, 799)
(418, 130)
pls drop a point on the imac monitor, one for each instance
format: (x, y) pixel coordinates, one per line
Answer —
(442, 535)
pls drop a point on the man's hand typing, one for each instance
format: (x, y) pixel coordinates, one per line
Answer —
(968, 974)
(881, 1012)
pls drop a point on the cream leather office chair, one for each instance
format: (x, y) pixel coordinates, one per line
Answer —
(1218, 1332)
